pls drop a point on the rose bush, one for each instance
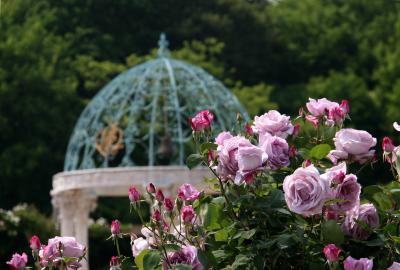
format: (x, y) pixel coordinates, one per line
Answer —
(286, 194)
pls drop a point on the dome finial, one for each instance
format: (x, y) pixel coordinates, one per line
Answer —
(163, 46)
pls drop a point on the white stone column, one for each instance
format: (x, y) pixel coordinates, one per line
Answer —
(65, 203)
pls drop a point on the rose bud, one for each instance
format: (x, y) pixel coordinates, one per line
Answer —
(210, 156)
(188, 215)
(151, 188)
(134, 195)
(156, 216)
(114, 261)
(248, 129)
(202, 120)
(296, 130)
(387, 145)
(292, 151)
(159, 196)
(306, 163)
(339, 177)
(168, 204)
(345, 106)
(332, 252)
(115, 227)
(34, 243)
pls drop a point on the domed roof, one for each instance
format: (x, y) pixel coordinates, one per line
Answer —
(141, 116)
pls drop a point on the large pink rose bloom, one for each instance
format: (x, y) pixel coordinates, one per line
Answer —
(362, 264)
(305, 191)
(320, 106)
(273, 123)
(222, 137)
(348, 192)
(277, 150)
(18, 262)
(353, 143)
(237, 158)
(367, 214)
(69, 246)
(187, 255)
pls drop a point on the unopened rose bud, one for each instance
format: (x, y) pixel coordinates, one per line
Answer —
(332, 253)
(338, 178)
(115, 227)
(34, 243)
(306, 163)
(202, 120)
(133, 194)
(248, 129)
(387, 145)
(114, 261)
(345, 106)
(159, 196)
(296, 130)
(151, 188)
(292, 151)
(156, 216)
(188, 215)
(168, 204)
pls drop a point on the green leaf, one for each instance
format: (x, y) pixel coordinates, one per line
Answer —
(206, 146)
(383, 201)
(139, 259)
(221, 236)
(332, 233)
(241, 261)
(320, 151)
(194, 160)
(151, 260)
(213, 216)
(172, 247)
(206, 259)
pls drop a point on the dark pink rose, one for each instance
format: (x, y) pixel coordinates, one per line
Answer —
(159, 196)
(133, 194)
(387, 145)
(114, 261)
(336, 115)
(156, 216)
(168, 204)
(187, 255)
(344, 105)
(188, 215)
(273, 123)
(365, 213)
(277, 150)
(18, 262)
(361, 264)
(187, 192)
(151, 188)
(202, 120)
(34, 243)
(115, 227)
(305, 191)
(332, 253)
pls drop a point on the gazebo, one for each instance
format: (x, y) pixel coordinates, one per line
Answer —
(135, 131)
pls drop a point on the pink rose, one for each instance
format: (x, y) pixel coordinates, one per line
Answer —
(188, 215)
(332, 253)
(277, 150)
(347, 191)
(361, 264)
(168, 204)
(114, 262)
(250, 159)
(352, 143)
(138, 245)
(187, 255)
(133, 194)
(202, 120)
(187, 192)
(67, 246)
(345, 106)
(395, 266)
(273, 123)
(336, 115)
(222, 137)
(160, 195)
(115, 227)
(365, 213)
(18, 262)
(320, 107)
(156, 216)
(34, 243)
(227, 156)
(305, 191)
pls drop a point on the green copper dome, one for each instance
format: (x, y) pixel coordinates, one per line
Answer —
(141, 116)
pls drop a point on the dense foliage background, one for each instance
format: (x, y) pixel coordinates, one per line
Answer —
(55, 56)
